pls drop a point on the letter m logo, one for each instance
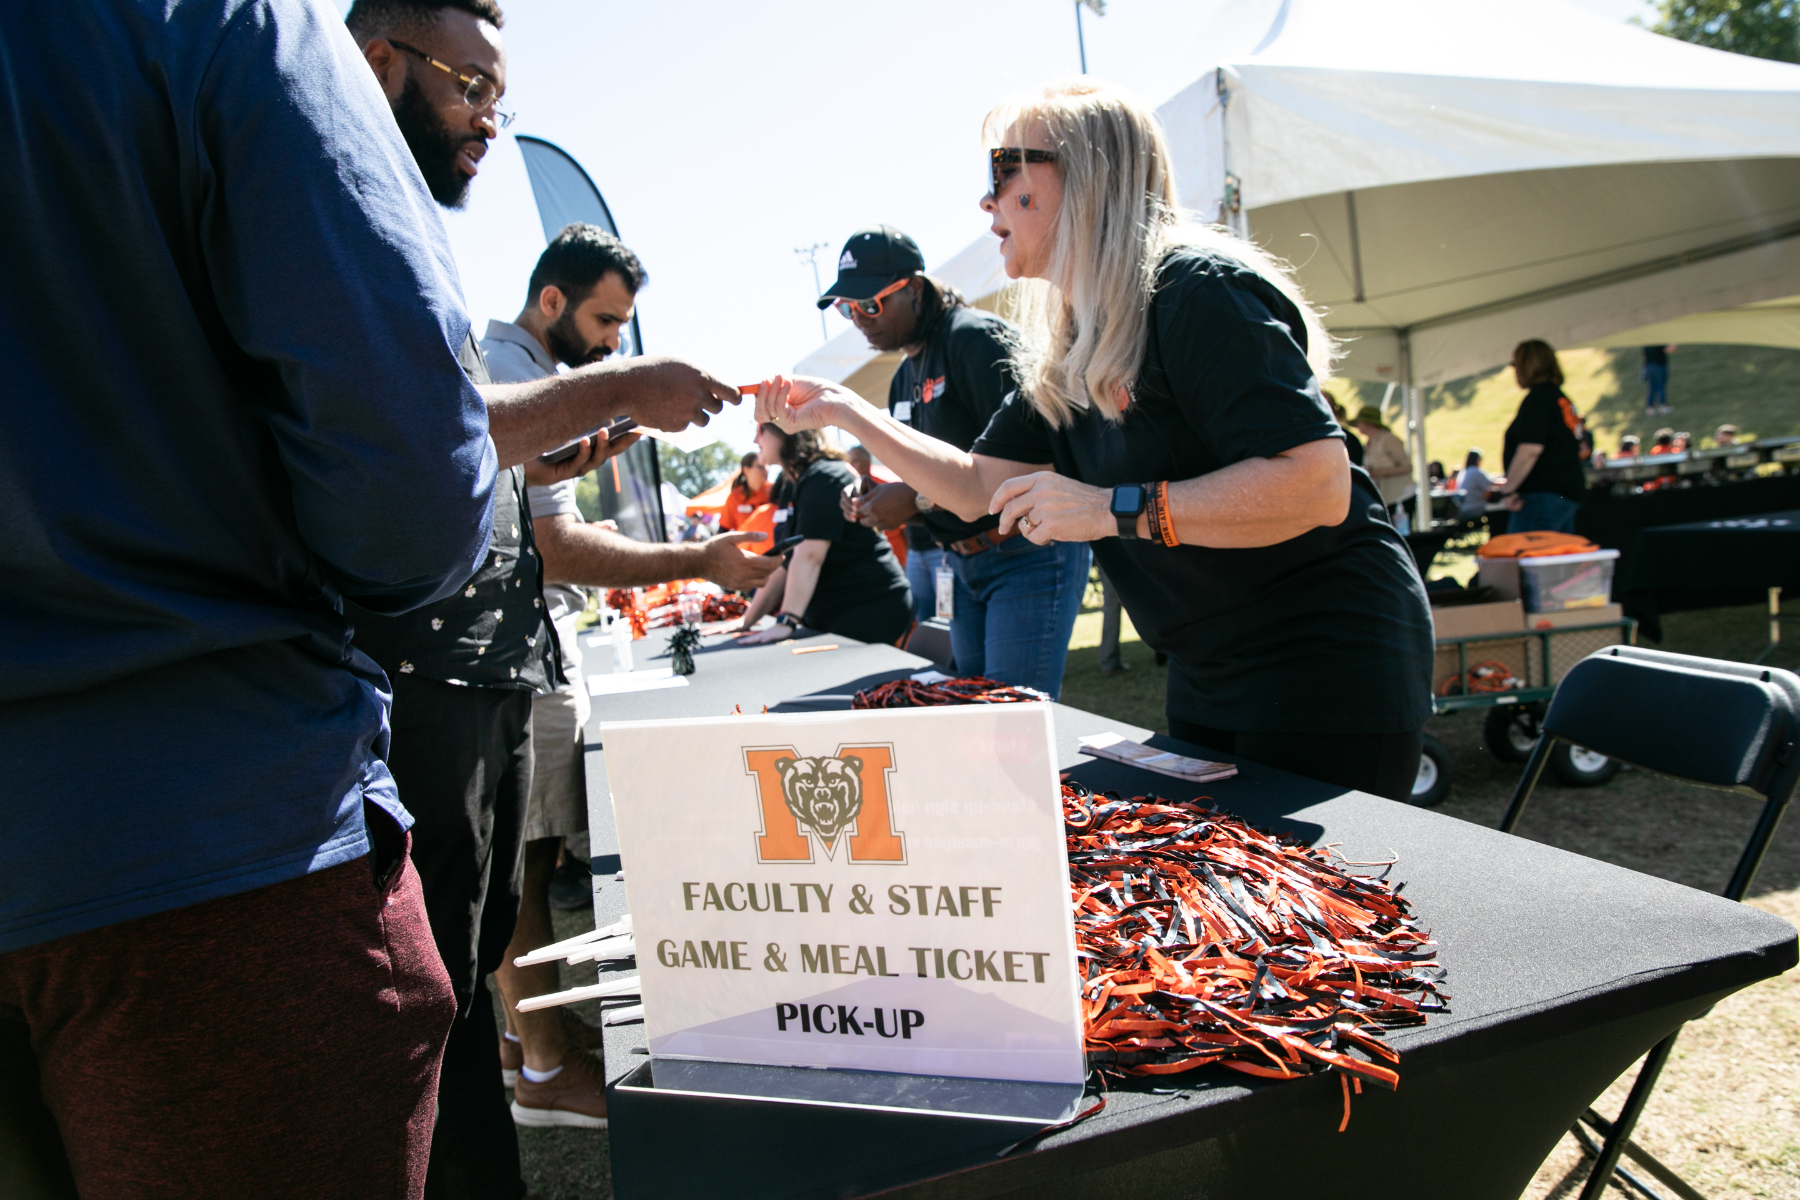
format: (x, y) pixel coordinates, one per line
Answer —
(789, 787)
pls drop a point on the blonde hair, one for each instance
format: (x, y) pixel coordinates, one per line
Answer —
(1082, 332)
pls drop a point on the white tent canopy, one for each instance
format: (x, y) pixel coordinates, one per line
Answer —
(1451, 177)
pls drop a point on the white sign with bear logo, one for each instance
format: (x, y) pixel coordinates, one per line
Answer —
(882, 891)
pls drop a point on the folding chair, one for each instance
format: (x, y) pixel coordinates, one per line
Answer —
(1718, 724)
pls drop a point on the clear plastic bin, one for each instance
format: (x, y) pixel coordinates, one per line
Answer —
(1559, 582)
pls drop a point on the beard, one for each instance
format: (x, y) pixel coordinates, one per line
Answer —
(433, 145)
(566, 344)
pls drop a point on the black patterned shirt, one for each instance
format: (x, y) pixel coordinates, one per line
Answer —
(493, 631)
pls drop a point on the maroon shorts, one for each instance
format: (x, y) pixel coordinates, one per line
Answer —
(282, 1043)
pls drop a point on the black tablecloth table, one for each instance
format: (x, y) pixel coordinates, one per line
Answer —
(1562, 971)
(1708, 564)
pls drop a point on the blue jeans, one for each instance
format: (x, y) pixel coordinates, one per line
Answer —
(1543, 511)
(921, 572)
(1656, 385)
(1015, 608)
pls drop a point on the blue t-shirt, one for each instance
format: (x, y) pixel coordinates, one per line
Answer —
(228, 323)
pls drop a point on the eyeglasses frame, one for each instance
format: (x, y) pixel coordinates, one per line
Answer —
(846, 307)
(470, 83)
(1000, 157)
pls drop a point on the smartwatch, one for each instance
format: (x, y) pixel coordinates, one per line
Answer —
(788, 619)
(1127, 506)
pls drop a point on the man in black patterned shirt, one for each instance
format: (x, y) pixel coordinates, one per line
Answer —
(464, 670)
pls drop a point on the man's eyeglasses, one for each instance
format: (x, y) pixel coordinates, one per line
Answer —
(872, 306)
(1003, 164)
(479, 92)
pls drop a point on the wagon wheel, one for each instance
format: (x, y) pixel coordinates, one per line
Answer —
(1510, 731)
(1431, 787)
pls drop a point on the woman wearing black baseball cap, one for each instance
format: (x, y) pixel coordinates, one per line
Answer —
(1169, 413)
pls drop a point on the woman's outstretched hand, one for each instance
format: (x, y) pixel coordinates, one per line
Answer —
(1047, 507)
(802, 403)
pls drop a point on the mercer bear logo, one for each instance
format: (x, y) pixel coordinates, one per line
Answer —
(824, 794)
(833, 800)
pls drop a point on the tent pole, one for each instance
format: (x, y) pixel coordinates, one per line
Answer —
(1412, 403)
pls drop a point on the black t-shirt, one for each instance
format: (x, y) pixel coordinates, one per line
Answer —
(1327, 632)
(951, 392)
(860, 565)
(494, 630)
(1547, 418)
(1656, 356)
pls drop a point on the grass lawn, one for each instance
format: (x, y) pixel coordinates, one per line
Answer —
(1756, 388)
(1727, 1112)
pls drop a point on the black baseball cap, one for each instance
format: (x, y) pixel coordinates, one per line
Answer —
(872, 259)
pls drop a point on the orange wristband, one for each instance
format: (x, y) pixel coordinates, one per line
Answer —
(1165, 520)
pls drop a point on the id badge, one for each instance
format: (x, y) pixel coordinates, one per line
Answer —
(946, 593)
(903, 410)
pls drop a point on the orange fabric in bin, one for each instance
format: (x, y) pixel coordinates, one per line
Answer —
(1535, 545)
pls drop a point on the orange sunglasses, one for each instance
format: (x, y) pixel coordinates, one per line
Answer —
(872, 306)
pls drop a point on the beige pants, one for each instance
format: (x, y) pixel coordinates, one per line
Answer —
(558, 803)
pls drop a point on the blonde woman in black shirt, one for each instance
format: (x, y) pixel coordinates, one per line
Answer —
(1169, 413)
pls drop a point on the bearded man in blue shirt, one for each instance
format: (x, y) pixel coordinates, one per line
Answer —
(234, 408)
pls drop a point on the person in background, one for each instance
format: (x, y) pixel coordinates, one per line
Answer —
(1435, 474)
(1663, 441)
(861, 462)
(580, 300)
(1727, 435)
(842, 577)
(864, 465)
(1544, 482)
(1014, 601)
(1474, 483)
(1655, 374)
(1352, 444)
(1112, 612)
(749, 503)
(228, 296)
(1388, 464)
(465, 669)
(1681, 442)
(1630, 445)
(1188, 443)
(749, 491)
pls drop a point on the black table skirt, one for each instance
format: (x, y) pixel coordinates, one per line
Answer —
(1562, 970)
(1618, 523)
(1709, 564)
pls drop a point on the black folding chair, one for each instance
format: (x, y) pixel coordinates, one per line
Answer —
(1718, 724)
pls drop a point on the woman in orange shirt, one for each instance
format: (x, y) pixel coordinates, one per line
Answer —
(749, 492)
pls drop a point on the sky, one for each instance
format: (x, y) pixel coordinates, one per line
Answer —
(726, 135)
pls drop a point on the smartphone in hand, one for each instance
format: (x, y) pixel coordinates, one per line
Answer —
(562, 454)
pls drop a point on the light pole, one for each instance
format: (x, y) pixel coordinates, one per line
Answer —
(811, 255)
(1099, 7)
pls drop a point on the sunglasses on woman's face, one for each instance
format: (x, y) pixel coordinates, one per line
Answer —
(872, 306)
(1003, 164)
